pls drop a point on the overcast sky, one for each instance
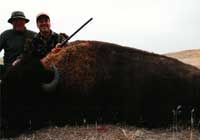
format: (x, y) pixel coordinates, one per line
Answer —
(158, 26)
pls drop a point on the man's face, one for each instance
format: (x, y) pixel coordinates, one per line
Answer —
(19, 24)
(43, 24)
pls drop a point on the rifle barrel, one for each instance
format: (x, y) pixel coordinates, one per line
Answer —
(65, 41)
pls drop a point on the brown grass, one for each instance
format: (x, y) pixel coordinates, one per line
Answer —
(188, 56)
(109, 132)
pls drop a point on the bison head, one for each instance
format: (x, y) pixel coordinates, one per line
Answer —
(24, 91)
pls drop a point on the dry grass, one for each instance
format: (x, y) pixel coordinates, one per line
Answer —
(188, 56)
(109, 132)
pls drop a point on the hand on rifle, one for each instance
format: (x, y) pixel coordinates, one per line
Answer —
(16, 61)
(56, 49)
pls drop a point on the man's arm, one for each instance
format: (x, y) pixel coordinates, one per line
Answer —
(63, 36)
(2, 42)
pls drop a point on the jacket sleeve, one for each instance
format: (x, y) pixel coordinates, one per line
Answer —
(28, 48)
(63, 36)
(2, 41)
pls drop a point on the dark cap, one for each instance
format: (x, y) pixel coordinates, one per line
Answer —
(17, 15)
(42, 15)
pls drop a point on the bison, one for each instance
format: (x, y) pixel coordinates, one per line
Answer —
(98, 82)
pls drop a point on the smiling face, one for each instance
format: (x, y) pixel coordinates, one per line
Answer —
(19, 24)
(44, 25)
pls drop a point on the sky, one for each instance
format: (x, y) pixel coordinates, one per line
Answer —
(158, 26)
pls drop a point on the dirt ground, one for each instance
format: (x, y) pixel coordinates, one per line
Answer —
(109, 132)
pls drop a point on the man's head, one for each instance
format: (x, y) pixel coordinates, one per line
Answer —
(18, 20)
(43, 23)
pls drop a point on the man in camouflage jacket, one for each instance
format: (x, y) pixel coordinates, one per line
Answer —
(46, 40)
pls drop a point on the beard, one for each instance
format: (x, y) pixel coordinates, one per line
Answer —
(45, 31)
(44, 28)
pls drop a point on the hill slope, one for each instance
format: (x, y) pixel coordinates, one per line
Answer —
(187, 56)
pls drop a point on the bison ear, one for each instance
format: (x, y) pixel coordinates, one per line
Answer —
(51, 86)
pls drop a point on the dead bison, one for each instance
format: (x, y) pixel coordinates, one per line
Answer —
(98, 82)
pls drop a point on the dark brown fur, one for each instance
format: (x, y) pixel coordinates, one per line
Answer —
(110, 83)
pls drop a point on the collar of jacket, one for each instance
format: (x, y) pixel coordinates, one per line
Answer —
(19, 32)
(52, 33)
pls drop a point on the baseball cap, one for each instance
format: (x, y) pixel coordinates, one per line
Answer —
(42, 15)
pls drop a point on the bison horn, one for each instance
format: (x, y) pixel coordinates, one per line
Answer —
(52, 85)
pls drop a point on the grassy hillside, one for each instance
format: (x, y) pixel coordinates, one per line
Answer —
(109, 132)
(187, 56)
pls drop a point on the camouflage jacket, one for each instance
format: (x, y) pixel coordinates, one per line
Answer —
(40, 46)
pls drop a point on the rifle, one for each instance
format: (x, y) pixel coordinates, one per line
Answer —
(66, 40)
